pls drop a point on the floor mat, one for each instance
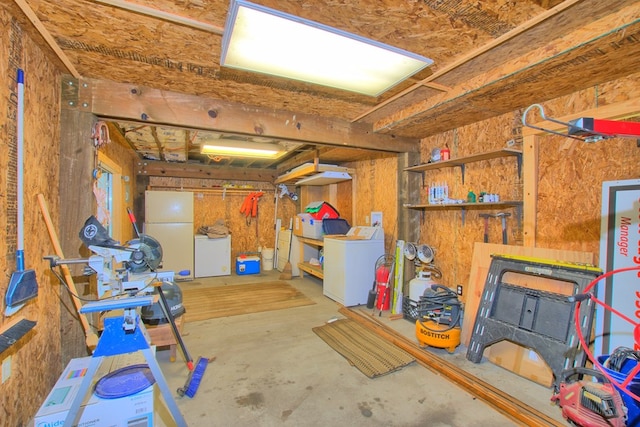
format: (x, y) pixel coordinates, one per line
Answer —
(371, 354)
(233, 300)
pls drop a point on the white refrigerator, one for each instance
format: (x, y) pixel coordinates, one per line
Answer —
(169, 219)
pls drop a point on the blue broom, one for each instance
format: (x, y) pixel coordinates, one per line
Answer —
(193, 381)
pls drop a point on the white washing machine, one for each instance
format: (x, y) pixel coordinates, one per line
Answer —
(212, 256)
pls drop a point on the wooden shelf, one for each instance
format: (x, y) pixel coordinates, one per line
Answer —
(460, 161)
(463, 207)
(309, 169)
(310, 241)
(496, 205)
(314, 270)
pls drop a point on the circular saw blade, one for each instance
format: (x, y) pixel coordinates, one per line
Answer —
(147, 254)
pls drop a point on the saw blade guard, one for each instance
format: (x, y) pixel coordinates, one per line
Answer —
(146, 255)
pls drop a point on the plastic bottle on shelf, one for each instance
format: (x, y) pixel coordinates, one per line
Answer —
(471, 197)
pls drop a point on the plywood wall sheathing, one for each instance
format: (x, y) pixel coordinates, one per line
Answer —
(569, 179)
(35, 359)
(571, 162)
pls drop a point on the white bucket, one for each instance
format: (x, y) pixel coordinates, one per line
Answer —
(267, 259)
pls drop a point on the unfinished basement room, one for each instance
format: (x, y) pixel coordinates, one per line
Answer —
(320, 213)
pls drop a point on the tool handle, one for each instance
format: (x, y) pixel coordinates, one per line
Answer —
(167, 312)
(132, 218)
(20, 169)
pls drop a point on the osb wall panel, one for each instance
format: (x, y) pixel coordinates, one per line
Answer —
(452, 236)
(211, 204)
(375, 189)
(35, 359)
(569, 182)
(571, 172)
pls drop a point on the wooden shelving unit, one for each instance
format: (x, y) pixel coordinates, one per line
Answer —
(461, 162)
(305, 267)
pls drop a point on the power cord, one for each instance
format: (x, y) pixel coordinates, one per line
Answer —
(439, 299)
(616, 360)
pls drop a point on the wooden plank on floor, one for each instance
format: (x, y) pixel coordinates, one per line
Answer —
(498, 399)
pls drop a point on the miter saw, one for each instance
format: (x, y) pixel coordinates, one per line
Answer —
(126, 270)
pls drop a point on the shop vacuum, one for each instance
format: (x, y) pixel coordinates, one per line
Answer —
(439, 314)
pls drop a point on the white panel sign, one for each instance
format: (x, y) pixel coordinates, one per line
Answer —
(619, 248)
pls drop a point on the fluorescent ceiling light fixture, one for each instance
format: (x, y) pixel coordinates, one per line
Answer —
(244, 150)
(264, 40)
(324, 178)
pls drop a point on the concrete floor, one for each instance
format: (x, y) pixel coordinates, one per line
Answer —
(272, 370)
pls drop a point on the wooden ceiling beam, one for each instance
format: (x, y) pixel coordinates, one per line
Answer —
(186, 170)
(165, 16)
(304, 157)
(118, 101)
(46, 35)
(609, 53)
(476, 53)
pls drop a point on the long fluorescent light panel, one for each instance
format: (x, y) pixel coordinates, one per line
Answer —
(239, 151)
(264, 40)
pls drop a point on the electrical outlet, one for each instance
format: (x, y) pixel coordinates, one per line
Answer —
(459, 289)
(366, 219)
(6, 369)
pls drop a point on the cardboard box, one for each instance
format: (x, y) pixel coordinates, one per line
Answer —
(297, 225)
(366, 233)
(136, 409)
(248, 265)
(521, 361)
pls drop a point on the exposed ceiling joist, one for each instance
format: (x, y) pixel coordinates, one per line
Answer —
(607, 48)
(131, 102)
(46, 35)
(475, 53)
(490, 58)
(185, 170)
(160, 14)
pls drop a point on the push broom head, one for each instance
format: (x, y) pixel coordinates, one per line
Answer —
(195, 377)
